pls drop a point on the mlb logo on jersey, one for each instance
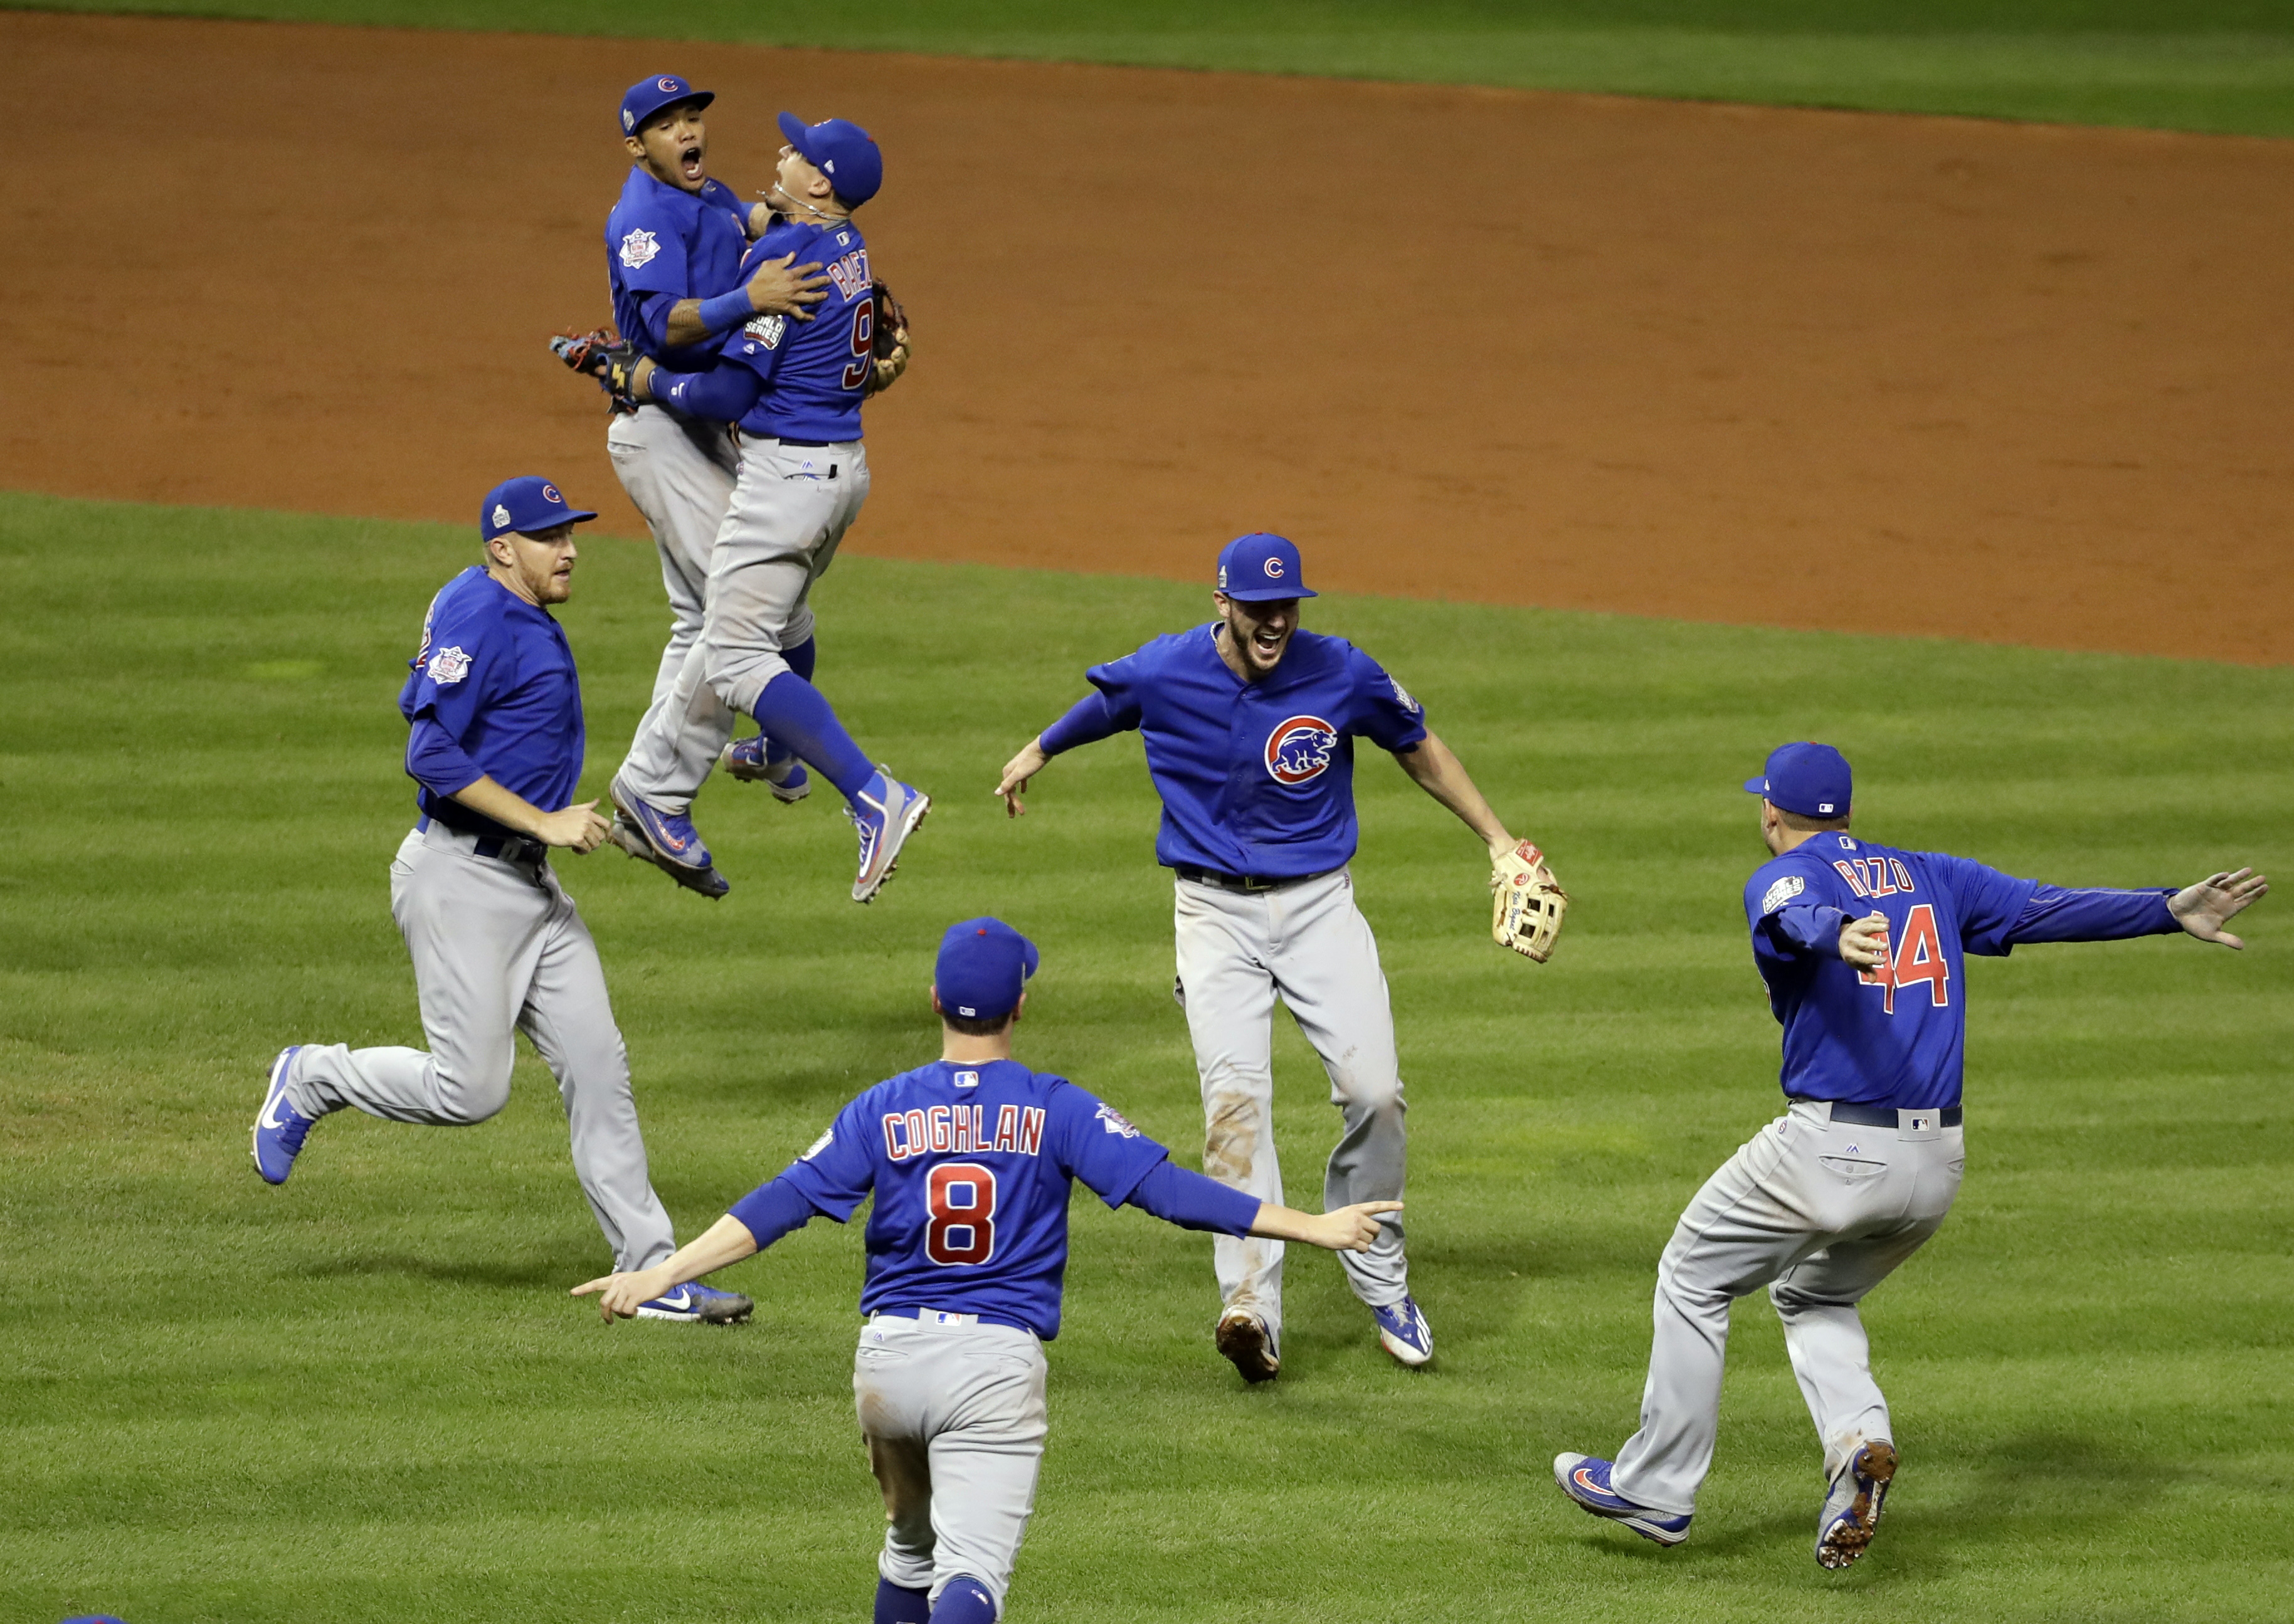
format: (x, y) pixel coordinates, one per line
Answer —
(449, 666)
(639, 249)
(1299, 748)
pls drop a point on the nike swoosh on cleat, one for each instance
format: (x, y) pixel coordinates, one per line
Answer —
(1583, 1479)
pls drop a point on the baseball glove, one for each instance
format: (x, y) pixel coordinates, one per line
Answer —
(601, 355)
(1527, 904)
(891, 343)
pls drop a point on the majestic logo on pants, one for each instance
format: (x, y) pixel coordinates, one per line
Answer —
(1299, 748)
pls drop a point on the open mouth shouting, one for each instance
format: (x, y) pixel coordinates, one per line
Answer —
(688, 163)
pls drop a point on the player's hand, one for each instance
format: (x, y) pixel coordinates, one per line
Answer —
(1350, 1229)
(781, 288)
(619, 1295)
(2204, 908)
(577, 827)
(1864, 942)
(1017, 771)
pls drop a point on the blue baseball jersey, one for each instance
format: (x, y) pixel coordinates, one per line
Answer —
(1894, 1036)
(663, 241)
(492, 692)
(815, 373)
(1256, 777)
(972, 1167)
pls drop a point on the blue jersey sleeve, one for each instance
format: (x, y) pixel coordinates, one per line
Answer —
(467, 656)
(1989, 903)
(1123, 684)
(650, 257)
(1384, 713)
(774, 1209)
(1193, 1202)
(1089, 1139)
(2054, 914)
(722, 395)
(839, 1170)
(1089, 720)
(436, 762)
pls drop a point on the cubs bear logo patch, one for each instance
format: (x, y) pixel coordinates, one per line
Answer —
(1299, 748)
(449, 666)
(639, 249)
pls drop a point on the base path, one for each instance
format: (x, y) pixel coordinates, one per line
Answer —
(1869, 373)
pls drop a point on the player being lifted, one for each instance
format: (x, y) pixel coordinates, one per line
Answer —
(1249, 725)
(674, 244)
(795, 391)
(1862, 948)
(970, 1159)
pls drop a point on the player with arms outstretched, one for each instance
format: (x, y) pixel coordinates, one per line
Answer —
(795, 391)
(1862, 948)
(1249, 725)
(971, 1160)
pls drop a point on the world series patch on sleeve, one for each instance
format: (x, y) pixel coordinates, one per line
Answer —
(1527, 904)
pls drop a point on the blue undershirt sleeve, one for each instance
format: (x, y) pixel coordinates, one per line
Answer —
(436, 762)
(1191, 1201)
(774, 1209)
(652, 314)
(2054, 914)
(722, 395)
(726, 310)
(1089, 720)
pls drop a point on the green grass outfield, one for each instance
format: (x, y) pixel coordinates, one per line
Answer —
(365, 1396)
(2216, 65)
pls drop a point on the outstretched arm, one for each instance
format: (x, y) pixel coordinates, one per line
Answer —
(727, 1241)
(2204, 908)
(1177, 1195)
(1436, 770)
(1089, 720)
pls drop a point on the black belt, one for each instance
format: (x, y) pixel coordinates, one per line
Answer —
(1244, 882)
(515, 850)
(814, 445)
(1885, 1116)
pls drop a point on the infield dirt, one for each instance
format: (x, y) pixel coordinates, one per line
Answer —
(2016, 383)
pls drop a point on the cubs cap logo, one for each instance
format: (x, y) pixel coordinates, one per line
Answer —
(1274, 569)
(550, 494)
(671, 86)
(1299, 748)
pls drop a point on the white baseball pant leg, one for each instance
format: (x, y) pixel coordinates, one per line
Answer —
(955, 1420)
(1819, 1213)
(500, 948)
(790, 508)
(679, 472)
(1310, 945)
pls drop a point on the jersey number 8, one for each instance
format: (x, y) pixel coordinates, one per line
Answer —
(961, 1197)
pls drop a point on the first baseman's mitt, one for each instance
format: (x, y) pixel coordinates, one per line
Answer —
(891, 343)
(1527, 904)
(601, 355)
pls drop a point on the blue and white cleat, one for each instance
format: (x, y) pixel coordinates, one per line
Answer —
(692, 1300)
(887, 812)
(279, 1126)
(747, 760)
(1852, 1510)
(1402, 1331)
(666, 839)
(1585, 1479)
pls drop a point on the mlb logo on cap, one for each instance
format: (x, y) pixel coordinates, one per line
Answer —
(1260, 568)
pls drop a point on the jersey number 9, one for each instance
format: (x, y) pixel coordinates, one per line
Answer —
(961, 1197)
(864, 345)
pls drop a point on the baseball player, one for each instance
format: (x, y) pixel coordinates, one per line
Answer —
(794, 391)
(1250, 725)
(494, 708)
(1862, 948)
(674, 244)
(971, 1160)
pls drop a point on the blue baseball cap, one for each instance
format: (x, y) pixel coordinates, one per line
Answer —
(841, 150)
(647, 97)
(525, 505)
(1812, 780)
(1260, 568)
(983, 967)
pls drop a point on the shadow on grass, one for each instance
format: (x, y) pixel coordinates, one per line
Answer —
(504, 1276)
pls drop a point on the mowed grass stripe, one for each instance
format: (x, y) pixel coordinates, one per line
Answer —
(365, 1397)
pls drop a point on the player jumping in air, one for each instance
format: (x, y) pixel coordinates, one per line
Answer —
(1862, 948)
(1249, 725)
(970, 1160)
(795, 391)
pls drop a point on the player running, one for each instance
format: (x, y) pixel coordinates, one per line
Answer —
(794, 392)
(1861, 947)
(674, 243)
(494, 707)
(970, 1160)
(1250, 725)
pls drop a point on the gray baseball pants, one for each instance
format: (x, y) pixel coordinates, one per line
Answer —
(498, 948)
(788, 510)
(1819, 1212)
(1308, 944)
(953, 1418)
